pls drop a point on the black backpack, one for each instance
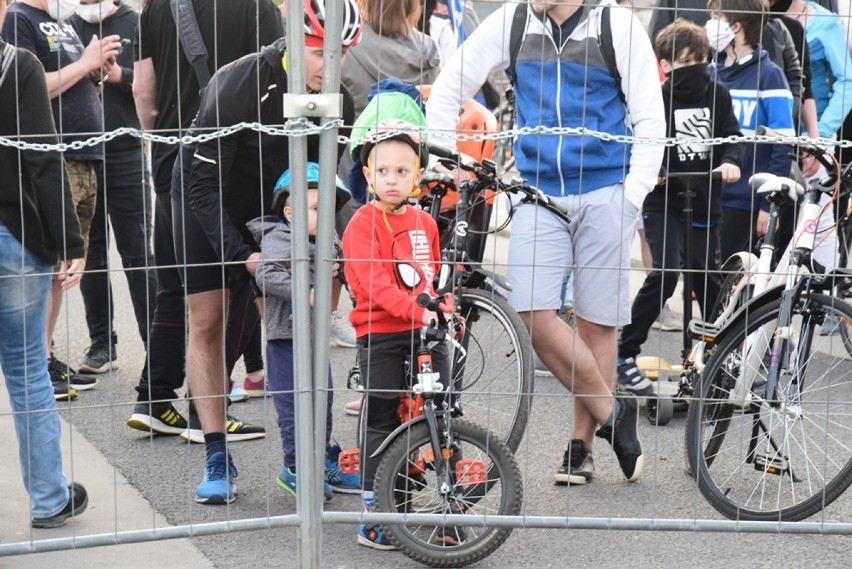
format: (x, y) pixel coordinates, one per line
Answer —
(191, 40)
(519, 22)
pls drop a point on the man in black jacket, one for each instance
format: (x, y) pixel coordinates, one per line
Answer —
(166, 90)
(224, 183)
(38, 225)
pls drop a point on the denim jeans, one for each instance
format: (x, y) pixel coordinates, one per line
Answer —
(24, 285)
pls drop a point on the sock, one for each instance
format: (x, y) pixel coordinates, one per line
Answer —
(214, 442)
(616, 407)
(369, 500)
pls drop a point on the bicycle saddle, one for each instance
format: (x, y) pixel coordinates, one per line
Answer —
(765, 183)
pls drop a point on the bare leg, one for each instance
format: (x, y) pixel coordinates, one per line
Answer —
(205, 357)
(54, 307)
(571, 359)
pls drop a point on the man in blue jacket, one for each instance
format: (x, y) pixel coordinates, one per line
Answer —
(561, 80)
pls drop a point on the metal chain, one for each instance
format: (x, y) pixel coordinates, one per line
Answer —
(304, 127)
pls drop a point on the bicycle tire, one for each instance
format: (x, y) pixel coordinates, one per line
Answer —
(490, 474)
(756, 462)
(494, 384)
(729, 285)
(844, 261)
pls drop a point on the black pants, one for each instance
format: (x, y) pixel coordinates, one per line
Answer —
(381, 362)
(664, 233)
(167, 347)
(124, 202)
(738, 231)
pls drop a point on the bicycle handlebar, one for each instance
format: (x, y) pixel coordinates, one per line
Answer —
(486, 171)
(822, 156)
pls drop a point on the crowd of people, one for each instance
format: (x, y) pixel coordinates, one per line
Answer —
(219, 279)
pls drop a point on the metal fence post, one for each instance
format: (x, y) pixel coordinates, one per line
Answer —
(307, 500)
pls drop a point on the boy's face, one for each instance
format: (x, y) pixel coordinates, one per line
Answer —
(392, 172)
(684, 59)
(313, 206)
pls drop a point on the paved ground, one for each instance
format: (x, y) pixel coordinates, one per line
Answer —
(143, 482)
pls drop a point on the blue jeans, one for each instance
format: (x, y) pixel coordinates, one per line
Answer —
(280, 369)
(24, 285)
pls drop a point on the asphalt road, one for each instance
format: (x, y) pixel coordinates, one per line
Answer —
(165, 471)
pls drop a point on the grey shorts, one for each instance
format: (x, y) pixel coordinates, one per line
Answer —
(595, 248)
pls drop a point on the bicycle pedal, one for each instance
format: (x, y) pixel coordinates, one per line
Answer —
(774, 464)
(349, 461)
(470, 471)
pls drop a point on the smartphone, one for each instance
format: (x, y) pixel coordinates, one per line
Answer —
(123, 43)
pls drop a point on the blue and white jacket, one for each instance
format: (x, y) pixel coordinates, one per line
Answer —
(761, 97)
(566, 87)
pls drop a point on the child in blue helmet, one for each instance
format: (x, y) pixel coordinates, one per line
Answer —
(273, 277)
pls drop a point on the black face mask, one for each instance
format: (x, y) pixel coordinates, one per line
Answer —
(780, 6)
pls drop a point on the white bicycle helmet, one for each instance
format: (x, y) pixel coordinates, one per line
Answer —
(315, 21)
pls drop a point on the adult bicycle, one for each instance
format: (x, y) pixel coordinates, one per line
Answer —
(437, 462)
(769, 429)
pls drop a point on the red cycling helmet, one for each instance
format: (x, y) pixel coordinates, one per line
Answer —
(315, 21)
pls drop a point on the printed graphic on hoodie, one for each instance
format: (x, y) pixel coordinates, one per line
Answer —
(697, 124)
(413, 259)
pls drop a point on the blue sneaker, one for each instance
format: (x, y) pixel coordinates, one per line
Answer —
(217, 487)
(374, 536)
(287, 480)
(339, 482)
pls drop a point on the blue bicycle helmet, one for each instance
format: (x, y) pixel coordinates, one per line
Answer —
(281, 191)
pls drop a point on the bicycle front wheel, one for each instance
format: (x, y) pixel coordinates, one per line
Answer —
(482, 478)
(782, 460)
(493, 380)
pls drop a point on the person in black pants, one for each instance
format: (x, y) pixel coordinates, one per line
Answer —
(123, 194)
(696, 107)
(167, 97)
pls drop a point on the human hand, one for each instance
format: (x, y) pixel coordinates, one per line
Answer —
(730, 173)
(810, 166)
(429, 317)
(70, 272)
(762, 223)
(251, 263)
(335, 270)
(99, 51)
(447, 305)
(112, 71)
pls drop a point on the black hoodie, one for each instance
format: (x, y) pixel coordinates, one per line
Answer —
(696, 107)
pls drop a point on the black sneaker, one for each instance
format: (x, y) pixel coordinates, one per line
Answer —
(78, 381)
(622, 431)
(631, 378)
(78, 500)
(235, 431)
(100, 358)
(62, 391)
(159, 418)
(577, 465)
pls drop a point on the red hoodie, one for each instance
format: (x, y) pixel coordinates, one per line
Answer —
(387, 268)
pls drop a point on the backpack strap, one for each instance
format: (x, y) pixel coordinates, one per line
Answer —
(608, 51)
(516, 37)
(191, 40)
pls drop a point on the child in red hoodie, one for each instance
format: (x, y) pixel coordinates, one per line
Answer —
(392, 255)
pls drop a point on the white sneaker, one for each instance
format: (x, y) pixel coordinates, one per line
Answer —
(342, 333)
(668, 320)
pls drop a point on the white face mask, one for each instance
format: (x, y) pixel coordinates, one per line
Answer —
(95, 13)
(719, 33)
(62, 9)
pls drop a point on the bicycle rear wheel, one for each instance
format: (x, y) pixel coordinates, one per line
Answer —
(483, 479)
(493, 382)
(757, 461)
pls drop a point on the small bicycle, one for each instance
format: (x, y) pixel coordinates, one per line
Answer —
(438, 463)
(769, 428)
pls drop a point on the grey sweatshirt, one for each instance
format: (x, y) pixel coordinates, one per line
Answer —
(273, 273)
